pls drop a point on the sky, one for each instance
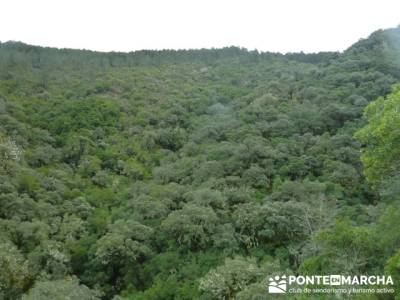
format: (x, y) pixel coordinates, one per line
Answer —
(128, 25)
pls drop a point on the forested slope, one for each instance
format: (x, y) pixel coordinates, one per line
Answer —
(192, 174)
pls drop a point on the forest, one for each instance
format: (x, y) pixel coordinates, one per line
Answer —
(197, 174)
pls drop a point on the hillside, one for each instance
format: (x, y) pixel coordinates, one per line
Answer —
(190, 174)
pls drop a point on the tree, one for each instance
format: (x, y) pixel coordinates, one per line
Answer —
(192, 226)
(63, 289)
(235, 275)
(381, 138)
(343, 248)
(124, 243)
(15, 276)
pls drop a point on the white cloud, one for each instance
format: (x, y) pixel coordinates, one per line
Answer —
(123, 25)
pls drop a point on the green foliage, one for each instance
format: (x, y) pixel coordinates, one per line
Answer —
(15, 276)
(64, 289)
(124, 243)
(234, 276)
(381, 137)
(134, 175)
(28, 183)
(349, 248)
(192, 226)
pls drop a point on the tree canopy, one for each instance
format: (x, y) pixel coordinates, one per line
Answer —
(195, 174)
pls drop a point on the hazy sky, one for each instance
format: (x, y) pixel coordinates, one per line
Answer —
(268, 25)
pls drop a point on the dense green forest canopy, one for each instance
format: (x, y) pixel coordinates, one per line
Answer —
(196, 174)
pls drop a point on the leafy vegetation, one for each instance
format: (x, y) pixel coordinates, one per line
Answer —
(195, 174)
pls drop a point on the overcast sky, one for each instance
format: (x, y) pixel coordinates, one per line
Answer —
(267, 25)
